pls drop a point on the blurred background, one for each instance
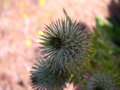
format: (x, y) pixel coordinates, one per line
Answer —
(21, 22)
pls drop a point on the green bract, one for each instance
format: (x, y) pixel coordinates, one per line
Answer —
(65, 41)
(101, 81)
(64, 44)
(42, 78)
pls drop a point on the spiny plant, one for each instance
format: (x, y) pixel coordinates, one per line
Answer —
(64, 44)
(43, 78)
(106, 57)
(65, 41)
(107, 52)
(101, 81)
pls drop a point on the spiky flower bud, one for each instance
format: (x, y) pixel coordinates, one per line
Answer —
(43, 78)
(101, 81)
(65, 41)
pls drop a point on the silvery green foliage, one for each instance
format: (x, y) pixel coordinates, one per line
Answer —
(43, 78)
(101, 81)
(63, 45)
(65, 41)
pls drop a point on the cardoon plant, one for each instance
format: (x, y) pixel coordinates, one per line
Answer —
(42, 78)
(65, 42)
(101, 81)
(64, 45)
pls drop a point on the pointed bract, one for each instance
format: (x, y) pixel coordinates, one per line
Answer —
(101, 81)
(43, 78)
(65, 41)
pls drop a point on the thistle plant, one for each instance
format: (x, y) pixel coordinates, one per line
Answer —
(65, 42)
(42, 78)
(101, 81)
(64, 45)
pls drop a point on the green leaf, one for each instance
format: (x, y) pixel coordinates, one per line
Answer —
(99, 21)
